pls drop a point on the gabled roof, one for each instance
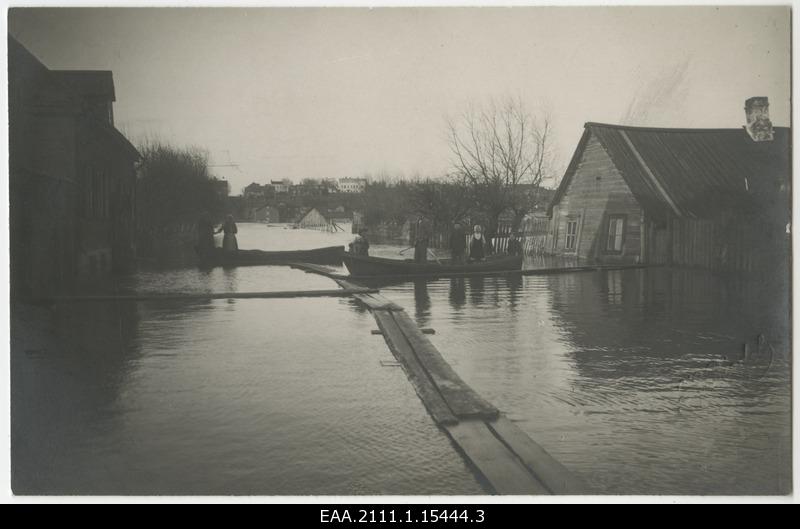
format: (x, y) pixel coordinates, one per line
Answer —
(687, 171)
(304, 212)
(19, 56)
(64, 89)
(33, 83)
(95, 84)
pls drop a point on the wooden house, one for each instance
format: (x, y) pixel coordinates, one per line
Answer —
(312, 218)
(324, 219)
(713, 198)
(72, 176)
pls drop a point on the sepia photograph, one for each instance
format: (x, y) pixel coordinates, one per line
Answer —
(463, 252)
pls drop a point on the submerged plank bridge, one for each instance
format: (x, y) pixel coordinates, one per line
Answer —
(504, 455)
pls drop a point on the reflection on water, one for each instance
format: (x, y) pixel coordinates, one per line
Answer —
(458, 296)
(422, 301)
(634, 379)
(219, 396)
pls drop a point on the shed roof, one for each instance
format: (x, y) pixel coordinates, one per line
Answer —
(687, 172)
(108, 132)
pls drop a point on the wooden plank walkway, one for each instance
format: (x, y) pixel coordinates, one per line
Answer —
(318, 269)
(373, 301)
(154, 296)
(556, 477)
(404, 354)
(500, 466)
(509, 460)
(462, 399)
(333, 274)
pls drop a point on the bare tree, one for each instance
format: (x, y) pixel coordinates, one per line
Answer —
(443, 203)
(502, 152)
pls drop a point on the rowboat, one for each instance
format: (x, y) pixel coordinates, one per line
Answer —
(218, 257)
(364, 266)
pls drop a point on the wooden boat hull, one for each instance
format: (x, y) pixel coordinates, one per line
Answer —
(329, 255)
(364, 266)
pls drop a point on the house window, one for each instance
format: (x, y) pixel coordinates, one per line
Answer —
(572, 234)
(616, 232)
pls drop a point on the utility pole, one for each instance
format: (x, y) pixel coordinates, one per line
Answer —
(228, 164)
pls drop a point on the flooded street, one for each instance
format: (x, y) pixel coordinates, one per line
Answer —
(629, 378)
(632, 379)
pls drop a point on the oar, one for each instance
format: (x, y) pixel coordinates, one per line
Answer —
(434, 256)
(407, 249)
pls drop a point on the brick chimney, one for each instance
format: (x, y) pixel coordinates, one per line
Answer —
(759, 127)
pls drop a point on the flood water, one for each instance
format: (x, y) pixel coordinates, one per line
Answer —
(632, 379)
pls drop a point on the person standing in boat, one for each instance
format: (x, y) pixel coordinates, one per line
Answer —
(514, 244)
(478, 245)
(458, 243)
(205, 235)
(229, 242)
(421, 241)
(360, 246)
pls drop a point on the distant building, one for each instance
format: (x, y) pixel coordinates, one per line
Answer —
(712, 198)
(352, 185)
(308, 190)
(221, 187)
(253, 190)
(312, 218)
(281, 186)
(258, 193)
(339, 215)
(72, 176)
(329, 219)
(330, 185)
(264, 214)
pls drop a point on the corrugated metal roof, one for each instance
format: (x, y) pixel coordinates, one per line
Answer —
(689, 172)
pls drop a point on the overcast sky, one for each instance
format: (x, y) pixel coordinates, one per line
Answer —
(299, 93)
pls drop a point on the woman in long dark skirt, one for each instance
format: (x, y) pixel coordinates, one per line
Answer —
(229, 242)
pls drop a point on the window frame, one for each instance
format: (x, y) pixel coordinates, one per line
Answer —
(571, 221)
(611, 250)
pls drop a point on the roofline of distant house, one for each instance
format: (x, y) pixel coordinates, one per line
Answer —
(665, 129)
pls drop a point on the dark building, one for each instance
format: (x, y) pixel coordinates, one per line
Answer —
(263, 213)
(72, 176)
(308, 190)
(712, 198)
(258, 191)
